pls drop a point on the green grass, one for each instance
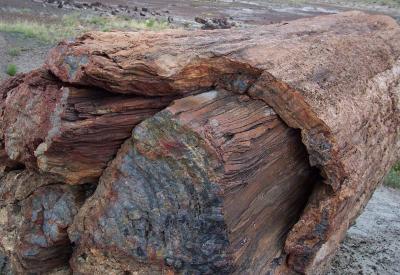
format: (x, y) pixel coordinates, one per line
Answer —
(11, 69)
(393, 178)
(14, 51)
(103, 23)
(42, 32)
(75, 24)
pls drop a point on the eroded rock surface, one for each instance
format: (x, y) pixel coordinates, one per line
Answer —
(34, 216)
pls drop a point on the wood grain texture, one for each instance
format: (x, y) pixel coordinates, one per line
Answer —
(71, 133)
(333, 77)
(332, 82)
(203, 187)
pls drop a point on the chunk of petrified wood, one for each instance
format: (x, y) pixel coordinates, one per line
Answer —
(334, 77)
(204, 187)
(66, 131)
(34, 218)
(43, 243)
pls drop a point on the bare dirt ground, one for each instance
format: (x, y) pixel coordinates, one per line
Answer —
(372, 245)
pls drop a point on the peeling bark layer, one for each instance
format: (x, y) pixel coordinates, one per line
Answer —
(217, 182)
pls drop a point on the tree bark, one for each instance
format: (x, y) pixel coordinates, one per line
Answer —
(275, 142)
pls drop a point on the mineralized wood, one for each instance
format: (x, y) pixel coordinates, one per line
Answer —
(65, 131)
(204, 187)
(336, 78)
(35, 214)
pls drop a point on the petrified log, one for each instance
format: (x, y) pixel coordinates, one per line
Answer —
(69, 132)
(259, 168)
(335, 78)
(203, 187)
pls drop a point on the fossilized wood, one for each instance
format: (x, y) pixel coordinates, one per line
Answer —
(69, 132)
(333, 77)
(43, 243)
(35, 214)
(204, 187)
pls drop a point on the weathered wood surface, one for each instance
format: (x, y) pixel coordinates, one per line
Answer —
(204, 186)
(334, 77)
(69, 132)
(227, 157)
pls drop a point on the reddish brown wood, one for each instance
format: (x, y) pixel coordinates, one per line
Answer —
(69, 132)
(332, 80)
(203, 187)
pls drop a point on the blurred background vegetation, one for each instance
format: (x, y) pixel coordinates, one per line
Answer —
(393, 178)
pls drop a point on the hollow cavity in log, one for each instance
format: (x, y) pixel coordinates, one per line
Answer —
(202, 187)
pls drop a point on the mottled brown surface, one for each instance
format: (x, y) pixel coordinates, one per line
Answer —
(334, 78)
(203, 187)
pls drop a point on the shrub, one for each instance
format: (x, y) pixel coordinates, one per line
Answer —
(393, 178)
(14, 51)
(11, 69)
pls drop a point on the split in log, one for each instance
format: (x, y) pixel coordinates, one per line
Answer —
(69, 132)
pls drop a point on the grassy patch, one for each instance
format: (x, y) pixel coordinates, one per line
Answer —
(75, 24)
(393, 178)
(11, 69)
(14, 51)
(45, 33)
(108, 23)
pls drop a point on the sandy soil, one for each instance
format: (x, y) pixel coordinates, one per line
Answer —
(372, 245)
(32, 53)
